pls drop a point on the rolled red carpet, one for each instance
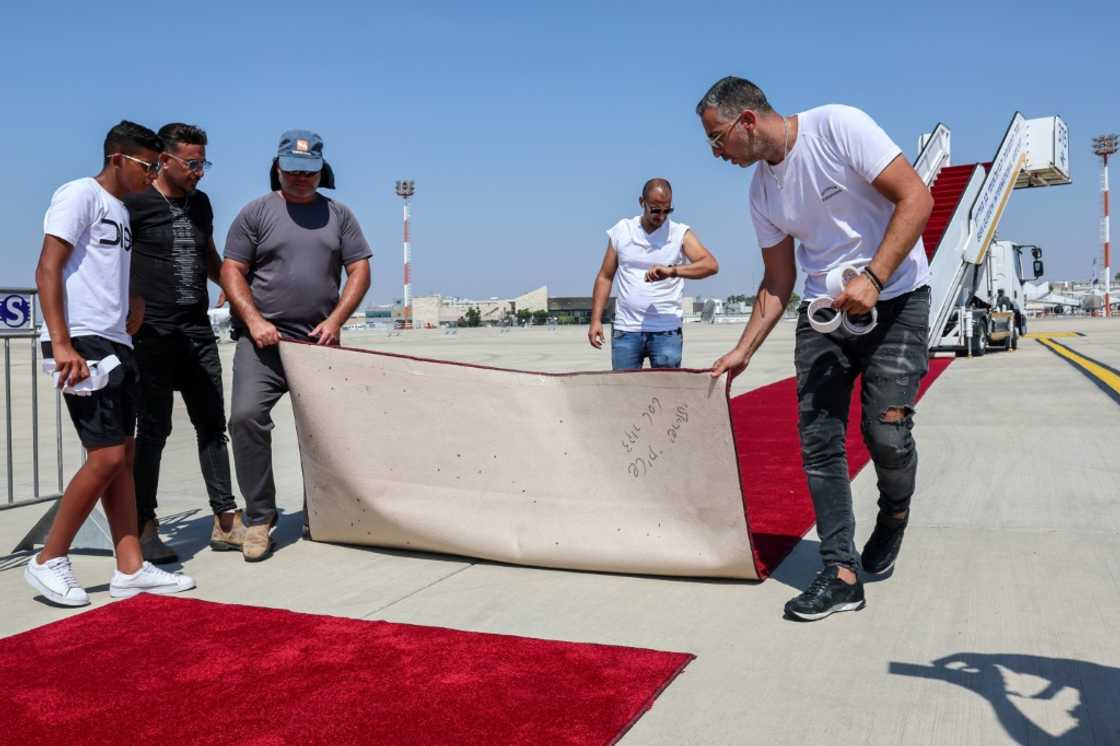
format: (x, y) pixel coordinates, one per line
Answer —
(172, 671)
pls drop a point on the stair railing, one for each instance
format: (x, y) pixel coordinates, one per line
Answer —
(934, 154)
(988, 208)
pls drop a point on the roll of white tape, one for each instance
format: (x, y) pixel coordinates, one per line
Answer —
(859, 329)
(822, 316)
(840, 276)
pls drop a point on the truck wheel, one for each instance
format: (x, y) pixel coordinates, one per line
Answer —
(979, 340)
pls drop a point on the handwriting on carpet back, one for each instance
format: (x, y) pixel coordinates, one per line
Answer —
(652, 418)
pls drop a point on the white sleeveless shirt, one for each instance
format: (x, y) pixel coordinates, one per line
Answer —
(647, 306)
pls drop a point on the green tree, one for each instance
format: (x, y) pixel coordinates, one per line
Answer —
(473, 316)
(540, 317)
(794, 302)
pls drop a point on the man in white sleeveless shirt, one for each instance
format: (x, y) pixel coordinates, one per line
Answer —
(832, 179)
(646, 255)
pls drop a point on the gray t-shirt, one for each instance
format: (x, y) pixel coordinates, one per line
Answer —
(295, 253)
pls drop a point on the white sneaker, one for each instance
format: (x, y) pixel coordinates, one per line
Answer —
(148, 579)
(55, 580)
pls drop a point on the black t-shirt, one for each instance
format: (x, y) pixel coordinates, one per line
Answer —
(170, 244)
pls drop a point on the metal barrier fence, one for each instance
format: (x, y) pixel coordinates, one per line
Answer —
(19, 321)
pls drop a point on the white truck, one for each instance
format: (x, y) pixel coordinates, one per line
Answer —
(994, 305)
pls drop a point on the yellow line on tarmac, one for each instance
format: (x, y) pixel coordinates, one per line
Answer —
(1105, 377)
(1044, 335)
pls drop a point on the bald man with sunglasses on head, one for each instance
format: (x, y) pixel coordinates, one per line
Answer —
(646, 256)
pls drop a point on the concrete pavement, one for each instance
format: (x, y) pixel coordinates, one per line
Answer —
(998, 625)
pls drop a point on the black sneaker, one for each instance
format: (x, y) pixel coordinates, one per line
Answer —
(881, 549)
(826, 595)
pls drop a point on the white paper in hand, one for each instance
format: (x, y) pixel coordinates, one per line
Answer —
(99, 371)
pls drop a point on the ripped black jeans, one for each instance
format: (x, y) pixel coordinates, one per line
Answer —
(893, 358)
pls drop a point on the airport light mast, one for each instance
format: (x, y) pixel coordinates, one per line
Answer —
(405, 190)
(1104, 146)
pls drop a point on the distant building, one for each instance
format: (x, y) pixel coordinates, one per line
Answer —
(577, 310)
(430, 311)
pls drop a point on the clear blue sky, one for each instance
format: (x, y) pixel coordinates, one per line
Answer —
(529, 130)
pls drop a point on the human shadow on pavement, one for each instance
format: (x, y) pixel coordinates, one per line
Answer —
(1037, 700)
(185, 533)
(188, 535)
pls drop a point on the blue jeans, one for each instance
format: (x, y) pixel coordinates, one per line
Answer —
(629, 349)
(892, 359)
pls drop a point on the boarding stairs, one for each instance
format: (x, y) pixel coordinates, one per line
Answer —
(968, 202)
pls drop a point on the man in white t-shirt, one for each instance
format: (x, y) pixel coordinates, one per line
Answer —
(83, 281)
(646, 255)
(830, 179)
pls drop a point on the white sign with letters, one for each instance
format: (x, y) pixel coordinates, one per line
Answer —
(15, 312)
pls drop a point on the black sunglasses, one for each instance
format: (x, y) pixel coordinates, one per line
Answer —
(659, 210)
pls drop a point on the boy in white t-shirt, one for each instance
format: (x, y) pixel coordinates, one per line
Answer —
(832, 180)
(83, 278)
(646, 255)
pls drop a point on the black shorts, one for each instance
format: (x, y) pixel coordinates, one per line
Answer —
(107, 416)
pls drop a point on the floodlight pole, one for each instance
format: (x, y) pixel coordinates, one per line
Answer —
(405, 189)
(1104, 146)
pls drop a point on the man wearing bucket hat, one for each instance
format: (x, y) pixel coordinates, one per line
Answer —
(831, 178)
(284, 257)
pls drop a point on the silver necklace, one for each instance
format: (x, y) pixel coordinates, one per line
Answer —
(171, 207)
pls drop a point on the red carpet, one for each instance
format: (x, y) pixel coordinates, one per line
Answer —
(775, 492)
(173, 671)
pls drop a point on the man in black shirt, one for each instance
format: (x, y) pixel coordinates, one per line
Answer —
(173, 255)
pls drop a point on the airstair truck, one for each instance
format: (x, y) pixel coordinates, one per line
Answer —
(968, 267)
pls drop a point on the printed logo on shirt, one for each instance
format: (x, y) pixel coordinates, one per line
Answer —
(830, 192)
(122, 235)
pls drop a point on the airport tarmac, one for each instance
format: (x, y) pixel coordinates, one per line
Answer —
(997, 626)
